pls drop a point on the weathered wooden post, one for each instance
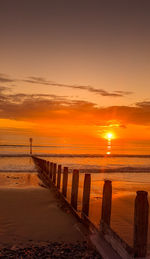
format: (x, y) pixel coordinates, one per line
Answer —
(51, 170)
(141, 211)
(47, 167)
(74, 190)
(106, 202)
(59, 176)
(54, 173)
(30, 139)
(45, 163)
(65, 181)
(42, 166)
(86, 194)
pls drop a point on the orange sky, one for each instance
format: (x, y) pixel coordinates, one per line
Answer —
(75, 69)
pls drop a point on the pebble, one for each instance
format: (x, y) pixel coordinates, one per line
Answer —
(51, 250)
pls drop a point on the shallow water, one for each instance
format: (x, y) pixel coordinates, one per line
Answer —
(124, 187)
(84, 164)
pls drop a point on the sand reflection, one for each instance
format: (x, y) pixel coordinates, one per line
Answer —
(123, 196)
(19, 180)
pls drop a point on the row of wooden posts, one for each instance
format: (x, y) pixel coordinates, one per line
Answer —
(54, 173)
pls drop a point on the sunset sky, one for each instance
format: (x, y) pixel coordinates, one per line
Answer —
(74, 69)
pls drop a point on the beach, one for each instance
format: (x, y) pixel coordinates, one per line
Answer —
(31, 212)
(124, 185)
(128, 175)
(32, 217)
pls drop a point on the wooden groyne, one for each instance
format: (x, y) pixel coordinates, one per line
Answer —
(56, 176)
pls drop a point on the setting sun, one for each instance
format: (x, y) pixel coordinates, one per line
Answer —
(109, 135)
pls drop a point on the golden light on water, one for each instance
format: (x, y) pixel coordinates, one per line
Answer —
(109, 136)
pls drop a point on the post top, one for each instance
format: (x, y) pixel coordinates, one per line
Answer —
(142, 193)
(107, 181)
(75, 170)
(65, 168)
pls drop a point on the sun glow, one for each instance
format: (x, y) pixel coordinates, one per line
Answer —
(109, 136)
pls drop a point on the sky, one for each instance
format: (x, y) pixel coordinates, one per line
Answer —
(74, 70)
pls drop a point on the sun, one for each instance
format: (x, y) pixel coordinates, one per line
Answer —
(109, 136)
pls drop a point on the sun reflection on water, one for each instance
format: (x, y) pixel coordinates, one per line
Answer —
(109, 144)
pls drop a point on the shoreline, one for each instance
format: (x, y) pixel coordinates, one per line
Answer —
(78, 155)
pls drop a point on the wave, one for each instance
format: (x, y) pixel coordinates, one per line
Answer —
(126, 169)
(21, 145)
(78, 155)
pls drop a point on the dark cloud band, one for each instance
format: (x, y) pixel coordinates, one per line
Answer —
(58, 109)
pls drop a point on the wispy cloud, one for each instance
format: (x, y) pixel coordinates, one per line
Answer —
(3, 88)
(6, 79)
(102, 92)
(144, 104)
(40, 80)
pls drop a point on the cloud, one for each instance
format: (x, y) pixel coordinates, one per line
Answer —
(40, 80)
(59, 110)
(144, 104)
(6, 79)
(2, 89)
(102, 92)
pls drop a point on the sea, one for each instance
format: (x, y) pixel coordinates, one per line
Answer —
(125, 163)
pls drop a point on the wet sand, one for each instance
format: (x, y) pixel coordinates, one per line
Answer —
(29, 212)
(123, 197)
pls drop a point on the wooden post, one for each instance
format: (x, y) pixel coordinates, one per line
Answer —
(59, 177)
(141, 224)
(51, 170)
(54, 173)
(42, 166)
(74, 191)
(106, 202)
(86, 194)
(47, 167)
(65, 181)
(30, 139)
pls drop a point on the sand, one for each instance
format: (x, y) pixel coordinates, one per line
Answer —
(31, 213)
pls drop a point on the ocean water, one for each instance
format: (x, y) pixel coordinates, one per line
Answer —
(126, 164)
(107, 156)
